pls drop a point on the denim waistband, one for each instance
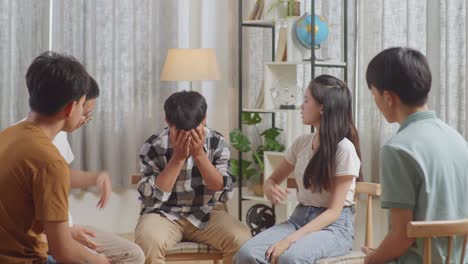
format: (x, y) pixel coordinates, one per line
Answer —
(304, 214)
(352, 207)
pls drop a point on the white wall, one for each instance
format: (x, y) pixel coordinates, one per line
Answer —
(120, 215)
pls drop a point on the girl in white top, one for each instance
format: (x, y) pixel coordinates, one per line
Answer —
(326, 165)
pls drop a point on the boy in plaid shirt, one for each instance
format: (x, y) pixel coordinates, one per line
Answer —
(183, 167)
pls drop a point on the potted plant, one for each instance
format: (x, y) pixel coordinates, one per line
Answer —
(292, 7)
(253, 170)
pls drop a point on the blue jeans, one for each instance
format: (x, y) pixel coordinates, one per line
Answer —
(51, 260)
(334, 240)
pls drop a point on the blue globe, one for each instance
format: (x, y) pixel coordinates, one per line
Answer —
(303, 28)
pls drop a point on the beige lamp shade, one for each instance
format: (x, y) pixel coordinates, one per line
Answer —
(190, 65)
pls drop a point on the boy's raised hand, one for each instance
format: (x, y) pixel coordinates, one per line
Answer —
(180, 140)
(198, 140)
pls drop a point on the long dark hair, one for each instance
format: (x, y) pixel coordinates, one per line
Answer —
(336, 123)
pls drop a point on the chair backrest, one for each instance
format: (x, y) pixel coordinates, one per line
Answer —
(369, 190)
(365, 188)
(429, 229)
(135, 179)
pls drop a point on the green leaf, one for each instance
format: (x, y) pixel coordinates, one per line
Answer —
(251, 172)
(249, 118)
(272, 133)
(273, 145)
(235, 166)
(260, 163)
(239, 141)
(256, 177)
(258, 157)
(247, 170)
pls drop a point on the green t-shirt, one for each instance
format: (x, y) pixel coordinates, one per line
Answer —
(424, 167)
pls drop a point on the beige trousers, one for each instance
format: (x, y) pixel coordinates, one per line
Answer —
(157, 234)
(118, 249)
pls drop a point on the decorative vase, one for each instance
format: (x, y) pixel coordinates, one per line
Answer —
(294, 8)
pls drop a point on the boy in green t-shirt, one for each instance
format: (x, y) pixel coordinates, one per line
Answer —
(424, 166)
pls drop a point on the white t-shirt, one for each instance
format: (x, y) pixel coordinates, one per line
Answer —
(347, 163)
(61, 143)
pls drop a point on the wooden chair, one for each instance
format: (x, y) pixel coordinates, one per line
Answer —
(429, 229)
(369, 190)
(186, 250)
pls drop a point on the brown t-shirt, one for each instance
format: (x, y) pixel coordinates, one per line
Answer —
(34, 186)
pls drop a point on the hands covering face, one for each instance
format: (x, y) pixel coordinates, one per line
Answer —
(187, 143)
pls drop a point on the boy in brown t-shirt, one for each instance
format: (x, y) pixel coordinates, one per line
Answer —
(34, 178)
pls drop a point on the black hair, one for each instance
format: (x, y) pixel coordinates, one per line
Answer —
(403, 71)
(336, 123)
(53, 81)
(185, 110)
(93, 91)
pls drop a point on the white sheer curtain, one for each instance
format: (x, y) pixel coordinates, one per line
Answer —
(447, 51)
(24, 33)
(436, 28)
(123, 44)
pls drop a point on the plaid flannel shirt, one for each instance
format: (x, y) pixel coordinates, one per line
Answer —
(189, 198)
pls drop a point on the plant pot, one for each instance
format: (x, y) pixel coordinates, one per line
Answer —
(258, 189)
(249, 183)
(255, 187)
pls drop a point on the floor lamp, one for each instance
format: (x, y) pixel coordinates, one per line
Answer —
(190, 65)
